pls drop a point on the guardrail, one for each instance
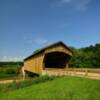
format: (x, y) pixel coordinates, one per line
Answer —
(90, 70)
(87, 72)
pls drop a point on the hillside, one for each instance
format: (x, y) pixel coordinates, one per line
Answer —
(65, 88)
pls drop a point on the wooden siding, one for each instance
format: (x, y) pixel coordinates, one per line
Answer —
(58, 48)
(34, 64)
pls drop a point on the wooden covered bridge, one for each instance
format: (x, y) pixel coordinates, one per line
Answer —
(53, 56)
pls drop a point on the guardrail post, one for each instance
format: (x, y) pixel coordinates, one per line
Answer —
(86, 72)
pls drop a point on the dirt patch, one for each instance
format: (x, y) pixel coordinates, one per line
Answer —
(9, 81)
(6, 81)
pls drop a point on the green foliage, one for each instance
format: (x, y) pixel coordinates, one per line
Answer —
(25, 83)
(86, 57)
(9, 69)
(10, 64)
(63, 88)
(36, 51)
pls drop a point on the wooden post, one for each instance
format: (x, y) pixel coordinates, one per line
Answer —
(86, 72)
(74, 71)
(23, 73)
(67, 69)
(67, 65)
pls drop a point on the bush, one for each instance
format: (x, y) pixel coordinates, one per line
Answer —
(16, 85)
(10, 71)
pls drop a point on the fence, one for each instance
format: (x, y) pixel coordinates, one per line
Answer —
(87, 72)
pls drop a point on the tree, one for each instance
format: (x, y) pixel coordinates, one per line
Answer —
(86, 57)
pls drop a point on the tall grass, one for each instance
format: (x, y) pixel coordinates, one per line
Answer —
(24, 83)
(64, 88)
(8, 70)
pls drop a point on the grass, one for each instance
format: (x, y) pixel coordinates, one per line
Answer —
(24, 83)
(9, 70)
(64, 88)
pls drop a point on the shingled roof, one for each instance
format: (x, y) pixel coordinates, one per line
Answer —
(49, 46)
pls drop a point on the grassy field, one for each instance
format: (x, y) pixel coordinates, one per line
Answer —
(63, 88)
(8, 70)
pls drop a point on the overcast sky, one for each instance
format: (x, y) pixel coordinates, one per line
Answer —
(26, 25)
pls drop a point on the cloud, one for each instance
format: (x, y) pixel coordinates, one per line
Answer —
(37, 40)
(40, 41)
(76, 4)
(6, 58)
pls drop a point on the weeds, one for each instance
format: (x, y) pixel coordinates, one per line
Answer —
(25, 83)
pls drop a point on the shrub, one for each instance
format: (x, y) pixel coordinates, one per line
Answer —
(10, 71)
(16, 85)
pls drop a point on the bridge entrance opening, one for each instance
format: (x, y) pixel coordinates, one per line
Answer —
(56, 60)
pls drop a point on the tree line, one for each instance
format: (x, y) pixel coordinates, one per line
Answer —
(10, 64)
(87, 57)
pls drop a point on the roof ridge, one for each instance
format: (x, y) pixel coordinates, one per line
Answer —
(48, 46)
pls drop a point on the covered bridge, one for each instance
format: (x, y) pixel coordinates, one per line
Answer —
(54, 56)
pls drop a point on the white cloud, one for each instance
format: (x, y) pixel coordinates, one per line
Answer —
(6, 58)
(76, 4)
(40, 41)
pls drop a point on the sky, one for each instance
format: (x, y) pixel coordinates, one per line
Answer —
(27, 25)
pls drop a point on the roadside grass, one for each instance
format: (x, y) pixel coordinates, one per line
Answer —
(62, 88)
(24, 83)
